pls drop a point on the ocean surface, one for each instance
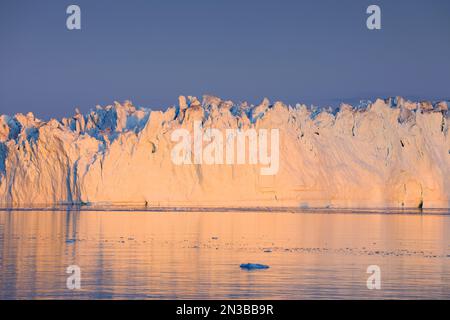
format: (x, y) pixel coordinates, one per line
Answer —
(128, 254)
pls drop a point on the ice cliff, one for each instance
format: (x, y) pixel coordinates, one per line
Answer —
(390, 153)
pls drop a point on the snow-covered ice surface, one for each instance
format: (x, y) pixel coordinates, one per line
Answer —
(392, 153)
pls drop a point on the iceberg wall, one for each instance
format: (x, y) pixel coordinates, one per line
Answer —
(390, 153)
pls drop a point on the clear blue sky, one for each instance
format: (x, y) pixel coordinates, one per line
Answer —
(315, 51)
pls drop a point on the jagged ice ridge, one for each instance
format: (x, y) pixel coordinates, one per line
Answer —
(390, 153)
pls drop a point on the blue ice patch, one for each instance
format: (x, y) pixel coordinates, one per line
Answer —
(253, 266)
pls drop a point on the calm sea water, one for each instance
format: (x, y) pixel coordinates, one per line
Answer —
(188, 255)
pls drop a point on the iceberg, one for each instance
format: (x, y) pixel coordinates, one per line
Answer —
(390, 153)
(254, 266)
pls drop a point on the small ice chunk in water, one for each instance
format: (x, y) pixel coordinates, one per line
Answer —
(253, 266)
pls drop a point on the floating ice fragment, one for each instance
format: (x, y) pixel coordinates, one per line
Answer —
(253, 266)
